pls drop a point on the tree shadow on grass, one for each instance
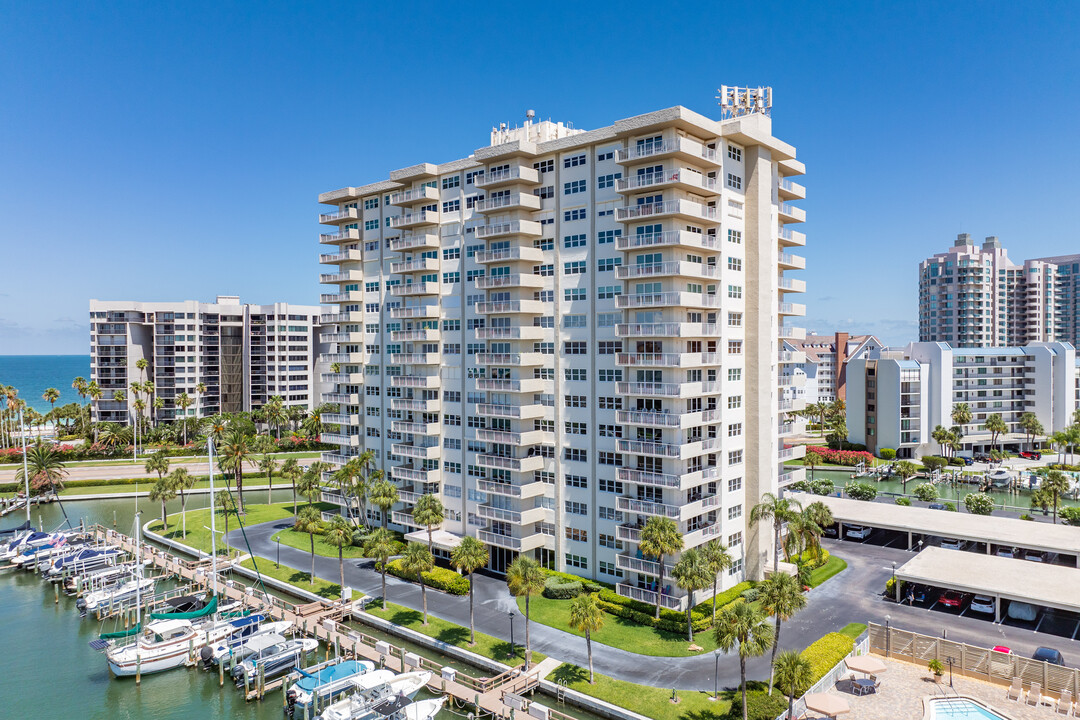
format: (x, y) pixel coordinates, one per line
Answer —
(570, 674)
(455, 635)
(303, 580)
(407, 617)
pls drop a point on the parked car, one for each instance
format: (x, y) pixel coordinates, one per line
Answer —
(1049, 655)
(915, 593)
(830, 530)
(968, 461)
(1006, 552)
(983, 604)
(1022, 611)
(952, 544)
(1035, 556)
(1030, 455)
(1002, 649)
(981, 457)
(856, 532)
(952, 598)
(935, 506)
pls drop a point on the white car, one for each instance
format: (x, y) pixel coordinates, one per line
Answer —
(952, 544)
(856, 532)
(1005, 552)
(983, 604)
(1034, 556)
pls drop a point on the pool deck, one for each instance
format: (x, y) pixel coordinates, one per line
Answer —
(905, 685)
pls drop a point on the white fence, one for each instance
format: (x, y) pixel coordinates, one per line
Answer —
(862, 646)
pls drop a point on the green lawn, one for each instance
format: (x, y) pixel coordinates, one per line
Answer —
(198, 522)
(831, 567)
(96, 487)
(853, 630)
(296, 578)
(452, 634)
(301, 541)
(619, 632)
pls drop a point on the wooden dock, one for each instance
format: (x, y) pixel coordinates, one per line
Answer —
(501, 696)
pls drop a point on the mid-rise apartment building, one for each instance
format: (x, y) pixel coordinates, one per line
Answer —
(567, 332)
(822, 361)
(897, 397)
(242, 355)
(975, 296)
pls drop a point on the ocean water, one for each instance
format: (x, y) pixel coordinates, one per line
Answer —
(32, 374)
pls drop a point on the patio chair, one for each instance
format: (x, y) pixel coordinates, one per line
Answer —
(1015, 690)
(1065, 703)
(1034, 694)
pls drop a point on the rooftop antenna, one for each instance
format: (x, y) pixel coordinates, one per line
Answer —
(737, 102)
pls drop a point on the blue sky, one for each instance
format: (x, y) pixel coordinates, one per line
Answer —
(167, 151)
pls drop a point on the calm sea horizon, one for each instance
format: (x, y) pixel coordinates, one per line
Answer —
(33, 374)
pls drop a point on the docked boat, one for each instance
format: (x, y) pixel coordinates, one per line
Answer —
(321, 686)
(372, 689)
(272, 656)
(999, 477)
(125, 592)
(161, 645)
(82, 561)
(25, 541)
(239, 645)
(397, 707)
(29, 558)
(97, 579)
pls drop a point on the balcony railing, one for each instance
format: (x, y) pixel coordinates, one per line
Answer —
(647, 596)
(668, 207)
(681, 145)
(502, 176)
(686, 269)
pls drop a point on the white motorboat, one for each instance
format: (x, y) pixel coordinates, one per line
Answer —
(238, 646)
(114, 595)
(97, 579)
(162, 645)
(397, 707)
(14, 545)
(999, 477)
(319, 687)
(272, 657)
(373, 689)
(31, 556)
(81, 561)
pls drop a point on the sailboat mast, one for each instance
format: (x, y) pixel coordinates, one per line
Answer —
(213, 533)
(26, 471)
(138, 569)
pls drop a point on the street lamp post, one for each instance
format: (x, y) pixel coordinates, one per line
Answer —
(950, 670)
(888, 635)
(511, 616)
(716, 675)
(277, 562)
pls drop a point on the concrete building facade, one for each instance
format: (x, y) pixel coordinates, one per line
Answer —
(897, 397)
(567, 332)
(975, 296)
(823, 364)
(243, 354)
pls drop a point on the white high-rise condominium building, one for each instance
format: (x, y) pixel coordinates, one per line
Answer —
(975, 296)
(568, 332)
(242, 354)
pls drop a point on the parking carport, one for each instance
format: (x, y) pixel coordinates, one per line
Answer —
(991, 530)
(1048, 586)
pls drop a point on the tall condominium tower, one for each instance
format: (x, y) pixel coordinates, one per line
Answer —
(241, 355)
(567, 333)
(976, 297)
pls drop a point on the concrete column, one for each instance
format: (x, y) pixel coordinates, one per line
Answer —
(909, 541)
(997, 608)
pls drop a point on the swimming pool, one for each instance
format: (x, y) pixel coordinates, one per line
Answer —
(960, 708)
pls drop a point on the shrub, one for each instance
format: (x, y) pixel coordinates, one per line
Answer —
(824, 653)
(750, 594)
(589, 586)
(950, 507)
(759, 705)
(903, 501)
(925, 492)
(818, 486)
(887, 454)
(438, 578)
(861, 491)
(849, 458)
(810, 559)
(1025, 516)
(957, 461)
(979, 504)
(890, 587)
(1070, 515)
(559, 589)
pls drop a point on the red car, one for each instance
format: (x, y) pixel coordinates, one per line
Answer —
(1029, 455)
(952, 598)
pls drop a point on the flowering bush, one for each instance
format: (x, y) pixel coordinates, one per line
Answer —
(849, 458)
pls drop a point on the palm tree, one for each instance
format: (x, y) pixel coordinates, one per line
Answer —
(308, 521)
(51, 395)
(267, 464)
(1056, 484)
(525, 579)
(587, 617)
(380, 545)
(290, 470)
(719, 560)
(183, 401)
(995, 424)
(157, 463)
(812, 460)
(345, 479)
(691, 573)
(148, 388)
(1032, 428)
(418, 559)
(79, 385)
(793, 673)
(275, 415)
(743, 627)
(780, 511)
(468, 556)
(429, 513)
(200, 390)
(182, 480)
(660, 537)
(382, 494)
(224, 500)
(159, 404)
(780, 596)
(960, 416)
(906, 470)
(45, 467)
(233, 452)
(339, 534)
(312, 424)
(821, 516)
(941, 436)
(94, 392)
(802, 532)
(310, 483)
(819, 410)
(163, 491)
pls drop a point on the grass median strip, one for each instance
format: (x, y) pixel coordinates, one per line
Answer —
(198, 522)
(832, 566)
(297, 578)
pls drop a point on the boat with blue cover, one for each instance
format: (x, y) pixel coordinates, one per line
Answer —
(326, 683)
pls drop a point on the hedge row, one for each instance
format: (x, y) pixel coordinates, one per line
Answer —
(824, 653)
(842, 457)
(814, 560)
(147, 481)
(438, 578)
(586, 584)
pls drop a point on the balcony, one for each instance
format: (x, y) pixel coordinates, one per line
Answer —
(786, 309)
(682, 148)
(410, 405)
(341, 237)
(414, 196)
(416, 428)
(420, 335)
(522, 517)
(789, 190)
(415, 241)
(684, 209)
(506, 203)
(524, 332)
(517, 439)
(343, 256)
(787, 261)
(417, 218)
(673, 360)
(422, 264)
(792, 405)
(527, 359)
(339, 217)
(669, 238)
(341, 378)
(792, 453)
(341, 440)
(524, 385)
(428, 358)
(530, 463)
(340, 277)
(415, 288)
(343, 317)
(522, 544)
(507, 176)
(341, 398)
(661, 269)
(667, 299)
(335, 459)
(791, 381)
(415, 381)
(353, 357)
(401, 517)
(340, 297)
(514, 254)
(418, 451)
(340, 419)
(514, 412)
(414, 312)
(494, 282)
(344, 337)
(792, 333)
(790, 475)
(643, 507)
(791, 356)
(407, 474)
(504, 229)
(527, 490)
(791, 285)
(633, 564)
(667, 329)
(669, 390)
(648, 596)
(677, 420)
(681, 179)
(510, 307)
(790, 213)
(789, 237)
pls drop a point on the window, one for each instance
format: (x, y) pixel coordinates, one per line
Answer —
(577, 267)
(607, 513)
(735, 236)
(581, 562)
(371, 224)
(470, 177)
(734, 181)
(573, 241)
(734, 430)
(609, 541)
(451, 253)
(734, 401)
(734, 347)
(371, 203)
(544, 166)
(547, 191)
(577, 535)
(575, 401)
(576, 454)
(607, 568)
(573, 161)
(576, 508)
(451, 348)
(451, 325)
(611, 486)
(734, 484)
(606, 292)
(451, 206)
(451, 277)
(609, 347)
(574, 187)
(734, 319)
(736, 567)
(471, 250)
(544, 270)
(577, 481)
(451, 467)
(735, 264)
(605, 264)
(576, 428)
(608, 319)
(735, 511)
(612, 431)
(451, 182)
(734, 292)
(610, 458)
(371, 286)
(601, 157)
(734, 457)
(605, 237)
(452, 420)
(575, 294)
(575, 347)
(574, 321)
(609, 403)
(734, 539)
(576, 214)
(451, 395)
(734, 374)
(576, 374)
(606, 181)
(609, 375)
